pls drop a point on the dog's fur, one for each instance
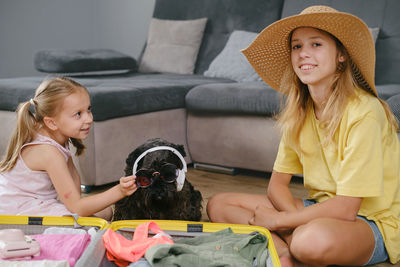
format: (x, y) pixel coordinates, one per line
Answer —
(160, 200)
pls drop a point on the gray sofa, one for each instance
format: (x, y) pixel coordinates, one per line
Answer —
(220, 121)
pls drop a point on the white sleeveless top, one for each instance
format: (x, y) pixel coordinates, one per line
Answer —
(27, 192)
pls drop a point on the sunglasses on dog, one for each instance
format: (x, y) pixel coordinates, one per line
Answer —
(168, 173)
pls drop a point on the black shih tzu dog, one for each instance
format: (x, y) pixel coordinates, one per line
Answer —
(163, 193)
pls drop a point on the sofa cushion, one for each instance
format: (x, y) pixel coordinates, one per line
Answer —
(231, 63)
(394, 104)
(115, 96)
(375, 32)
(388, 90)
(83, 61)
(255, 98)
(172, 45)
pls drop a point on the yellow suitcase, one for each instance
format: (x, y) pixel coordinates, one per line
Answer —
(191, 229)
(94, 254)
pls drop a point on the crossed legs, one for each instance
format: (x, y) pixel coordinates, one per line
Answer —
(320, 242)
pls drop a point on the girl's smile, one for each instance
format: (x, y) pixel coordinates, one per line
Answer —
(306, 67)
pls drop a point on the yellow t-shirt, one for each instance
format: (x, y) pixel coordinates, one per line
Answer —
(364, 162)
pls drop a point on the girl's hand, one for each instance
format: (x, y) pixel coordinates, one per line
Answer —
(128, 185)
(266, 217)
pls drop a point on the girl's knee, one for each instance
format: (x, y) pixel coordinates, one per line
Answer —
(105, 214)
(312, 241)
(214, 205)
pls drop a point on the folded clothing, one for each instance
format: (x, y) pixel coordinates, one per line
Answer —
(222, 248)
(63, 230)
(124, 251)
(42, 263)
(67, 247)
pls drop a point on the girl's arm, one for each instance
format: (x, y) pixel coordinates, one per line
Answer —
(74, 173)
(53, 162)
(279, 193)
(338, 207)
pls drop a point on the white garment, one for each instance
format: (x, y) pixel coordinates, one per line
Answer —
(63, 230)
(27, 192)
(43, 263)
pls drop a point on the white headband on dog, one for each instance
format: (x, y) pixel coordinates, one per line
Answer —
(180, 180)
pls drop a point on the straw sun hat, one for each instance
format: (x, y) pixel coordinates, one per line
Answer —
(269, 53)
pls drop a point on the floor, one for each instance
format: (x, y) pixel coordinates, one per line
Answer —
(210, 183)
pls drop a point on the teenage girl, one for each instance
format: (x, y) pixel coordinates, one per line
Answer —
(338, 133)
(37, 175)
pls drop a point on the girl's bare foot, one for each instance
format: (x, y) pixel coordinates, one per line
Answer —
(282, 250)
(286, 260)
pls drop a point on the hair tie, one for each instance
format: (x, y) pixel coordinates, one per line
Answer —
(32, 108)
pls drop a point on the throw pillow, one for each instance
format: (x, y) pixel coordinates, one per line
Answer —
(374, 32)
(81, 61)
(231, 63)
(172, 45)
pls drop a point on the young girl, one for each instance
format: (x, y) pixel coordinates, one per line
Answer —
(337, 133)
(37, 168)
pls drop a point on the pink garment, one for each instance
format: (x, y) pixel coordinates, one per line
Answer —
(124, 251)
(27, 192)
(67, 247)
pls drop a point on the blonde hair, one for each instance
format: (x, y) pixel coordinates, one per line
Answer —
(297, 100)
(46, 103)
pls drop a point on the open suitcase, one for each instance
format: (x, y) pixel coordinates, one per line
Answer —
(33, 225)
(95, 253)
(186, 229)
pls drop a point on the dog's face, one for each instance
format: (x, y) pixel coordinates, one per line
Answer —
(161, 198)
(157, 164)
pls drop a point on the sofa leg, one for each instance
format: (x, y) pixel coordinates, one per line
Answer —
(215, 168)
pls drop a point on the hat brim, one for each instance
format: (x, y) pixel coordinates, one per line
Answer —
(269, 53)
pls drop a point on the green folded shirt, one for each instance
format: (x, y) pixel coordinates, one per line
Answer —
(223, 248)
